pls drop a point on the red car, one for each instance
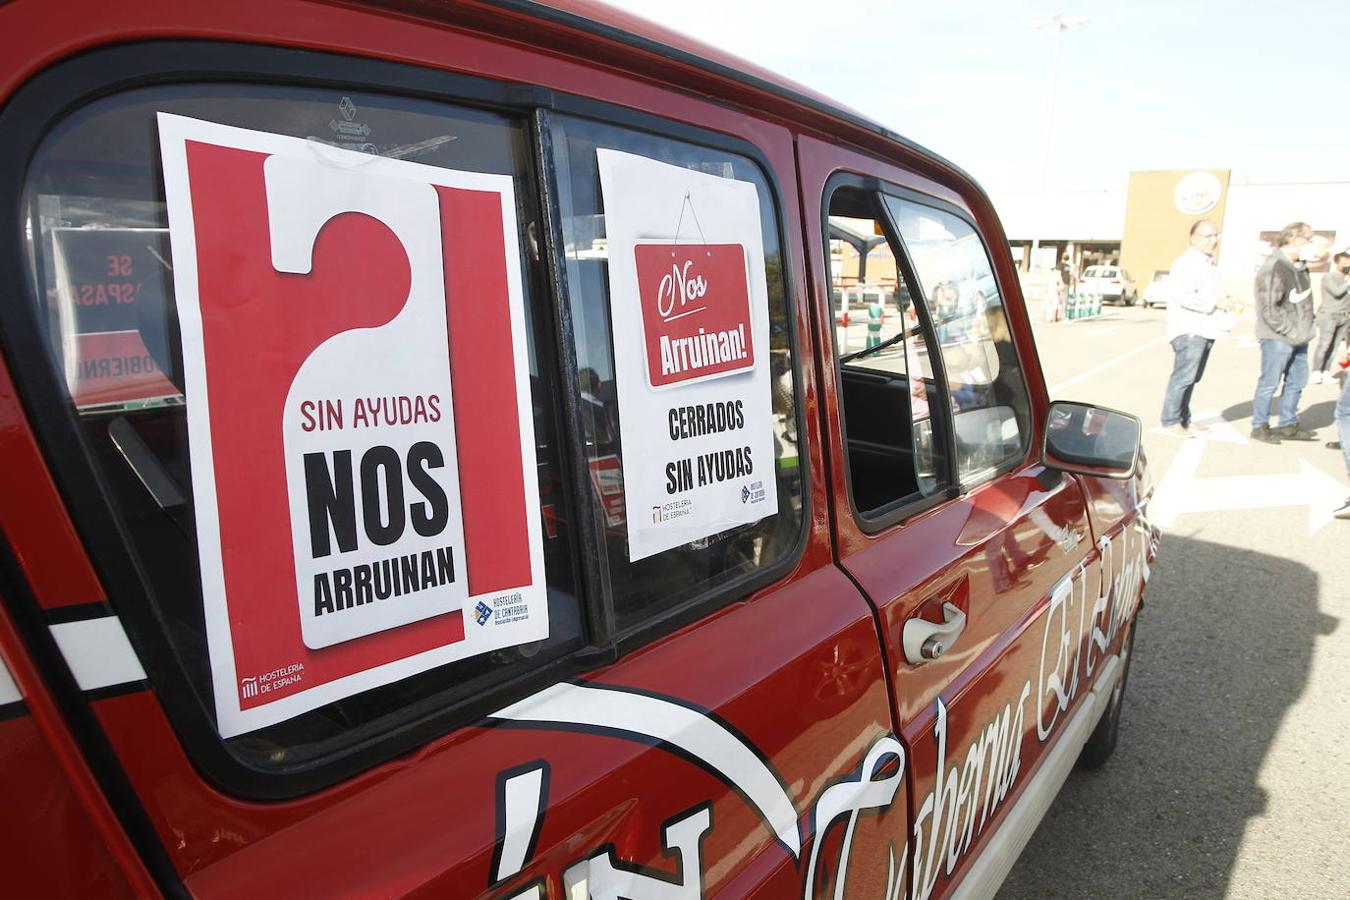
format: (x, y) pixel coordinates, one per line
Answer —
(431, 467)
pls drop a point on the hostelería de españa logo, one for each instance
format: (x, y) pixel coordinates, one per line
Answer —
(695, 301)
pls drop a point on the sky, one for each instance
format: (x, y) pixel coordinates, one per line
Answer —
(1259, 88)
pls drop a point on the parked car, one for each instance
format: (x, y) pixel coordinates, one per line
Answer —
(1156, 292)
(1113, 283)
(428, 470)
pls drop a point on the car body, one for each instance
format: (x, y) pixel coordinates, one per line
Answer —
(431, 468)
(1112, 282)
(1156, 292)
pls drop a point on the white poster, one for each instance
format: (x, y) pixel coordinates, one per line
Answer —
(690, 313)
(358, 409)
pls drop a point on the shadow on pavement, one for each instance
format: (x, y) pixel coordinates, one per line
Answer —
(1319, 415)
(1316, 415)
(1224, 647)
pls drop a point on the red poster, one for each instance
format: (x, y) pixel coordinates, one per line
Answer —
(360, 519)
(116, 367)
(607, 479)
(695, 311)
(111, 302)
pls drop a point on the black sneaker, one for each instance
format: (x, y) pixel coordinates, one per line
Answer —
(1294, 433)
(1333, 445)
(1264, 434)
(1344, 511)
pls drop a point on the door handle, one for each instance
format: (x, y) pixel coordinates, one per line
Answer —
(925, 641)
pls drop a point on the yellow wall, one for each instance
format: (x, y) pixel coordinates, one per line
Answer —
(1157, 230)
(844, 261)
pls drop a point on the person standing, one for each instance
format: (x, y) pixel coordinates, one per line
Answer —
(1333, 317)
(1284, 326)
(1057, 291)
(1343, 428)
(1193, 302)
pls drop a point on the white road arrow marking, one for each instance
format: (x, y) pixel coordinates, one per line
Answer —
(1220, 429)
(1168, 498)
(1083, 376)
(1181, 492)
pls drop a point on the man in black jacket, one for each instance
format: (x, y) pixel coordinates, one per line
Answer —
(1284, 326)
(1333, 318)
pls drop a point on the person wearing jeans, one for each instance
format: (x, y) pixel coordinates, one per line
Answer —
(1333, 318)
(1287, 363)
(1193, 307)
(1188, 366)
(1343, 428)
(1284, 326)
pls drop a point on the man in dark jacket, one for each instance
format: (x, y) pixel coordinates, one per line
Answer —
(1333, 318)
(1284, 326)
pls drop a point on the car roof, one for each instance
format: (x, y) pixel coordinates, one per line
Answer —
(605, 21)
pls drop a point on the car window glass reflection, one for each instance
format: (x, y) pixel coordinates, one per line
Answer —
(989, 397)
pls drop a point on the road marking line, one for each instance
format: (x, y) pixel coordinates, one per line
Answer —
(1220, 429)
(1167, 500)
(1055, 389)
(1181, 492)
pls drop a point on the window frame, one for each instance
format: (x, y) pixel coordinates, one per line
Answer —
(920, 199)
(51, 95)
(694, 608)
(910, 505)
(904, 508)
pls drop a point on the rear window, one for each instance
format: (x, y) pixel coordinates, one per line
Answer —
(105, 212)
(97, 230)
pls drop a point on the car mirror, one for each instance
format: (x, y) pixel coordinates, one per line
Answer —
(1090, 440)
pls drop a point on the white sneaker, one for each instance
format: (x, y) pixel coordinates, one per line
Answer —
(1316, 378)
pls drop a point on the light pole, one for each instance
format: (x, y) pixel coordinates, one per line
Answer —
(1060, 23)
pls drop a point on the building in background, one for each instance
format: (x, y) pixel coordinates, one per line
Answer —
(1160, 209)
(1146, 227)
(1086, 225)
(1256, 212)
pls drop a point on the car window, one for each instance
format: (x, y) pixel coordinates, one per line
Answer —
(104, 293)
(662, 239)
(888, 392)
(989, 398)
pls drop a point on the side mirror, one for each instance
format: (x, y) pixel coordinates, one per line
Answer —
(1090, 440)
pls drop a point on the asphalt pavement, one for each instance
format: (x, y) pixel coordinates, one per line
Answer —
(1232, 775)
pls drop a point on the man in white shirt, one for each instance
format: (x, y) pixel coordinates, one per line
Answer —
(1193, 321)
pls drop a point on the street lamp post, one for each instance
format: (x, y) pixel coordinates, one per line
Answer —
(1060, 23)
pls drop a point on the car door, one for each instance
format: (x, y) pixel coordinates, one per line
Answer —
(700, 718)
(943, 514)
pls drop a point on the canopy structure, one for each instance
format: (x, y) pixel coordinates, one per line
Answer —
(863, 243)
